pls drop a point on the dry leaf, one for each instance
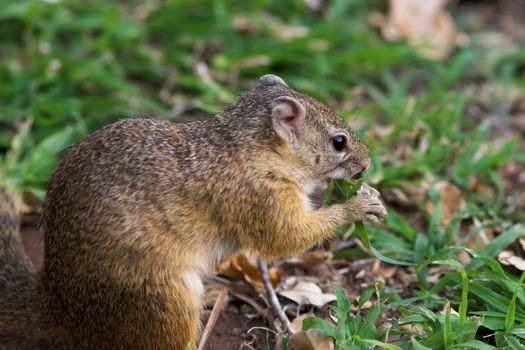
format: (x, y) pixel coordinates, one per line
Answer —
(435, 273)
(443, 311)
(506, 257)
(481, 238)
(366, 305)
(415, 328)
(308, 293)
(451, 200)
(297, 323)
(424, 24)
(379, 270)
(311, 339)
(310, 259)
(243, 266)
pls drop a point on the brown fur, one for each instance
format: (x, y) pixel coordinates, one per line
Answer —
(138, 211)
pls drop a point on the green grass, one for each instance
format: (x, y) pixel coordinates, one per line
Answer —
(69, 67)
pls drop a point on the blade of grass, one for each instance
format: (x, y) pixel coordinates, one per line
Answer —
(447, 327)
(360, 229)
(474, 344)
(322, 325)
(494, 300)
(417, 346)
(380, 343)
(511, 312)
(464, 298)
(503, 241)
(514, 343)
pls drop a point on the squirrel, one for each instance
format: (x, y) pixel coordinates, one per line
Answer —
(140, 210)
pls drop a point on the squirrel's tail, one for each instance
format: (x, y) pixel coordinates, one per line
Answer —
(19, 296)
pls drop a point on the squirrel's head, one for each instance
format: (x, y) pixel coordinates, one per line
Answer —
(314, 136)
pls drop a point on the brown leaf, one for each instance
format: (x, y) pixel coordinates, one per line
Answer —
(311, 339)
(424, 24)
(366, 305)
(415, 328)
(308, 293)
(378, 270)
(451, 200)
(508, 258)
(481, 238)
(445, 307)
(297, 323)
(310, 259)
(243, 266)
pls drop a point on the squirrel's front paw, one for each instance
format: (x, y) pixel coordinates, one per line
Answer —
(374, 211)
(366, 206)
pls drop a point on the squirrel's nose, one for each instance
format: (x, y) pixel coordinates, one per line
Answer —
(357, 170)
(358, 175)
(358, 167)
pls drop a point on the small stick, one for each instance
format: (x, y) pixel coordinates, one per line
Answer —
(214, 316)
(250, 302)
(263, 269)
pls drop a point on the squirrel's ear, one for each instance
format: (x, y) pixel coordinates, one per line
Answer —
(270, 79)
(288, 118)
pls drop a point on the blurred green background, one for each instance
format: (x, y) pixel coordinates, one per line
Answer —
(443, 133)
(67, 67)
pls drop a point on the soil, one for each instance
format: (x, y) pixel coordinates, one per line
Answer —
(228, 332)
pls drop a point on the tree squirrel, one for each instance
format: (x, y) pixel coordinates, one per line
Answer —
(139, 210)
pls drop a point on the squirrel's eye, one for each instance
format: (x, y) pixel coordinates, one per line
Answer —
(339, 142)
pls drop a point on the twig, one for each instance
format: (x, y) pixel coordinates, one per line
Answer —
(217, 309)
(239, 291)
(250, 302)
(263, 269)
